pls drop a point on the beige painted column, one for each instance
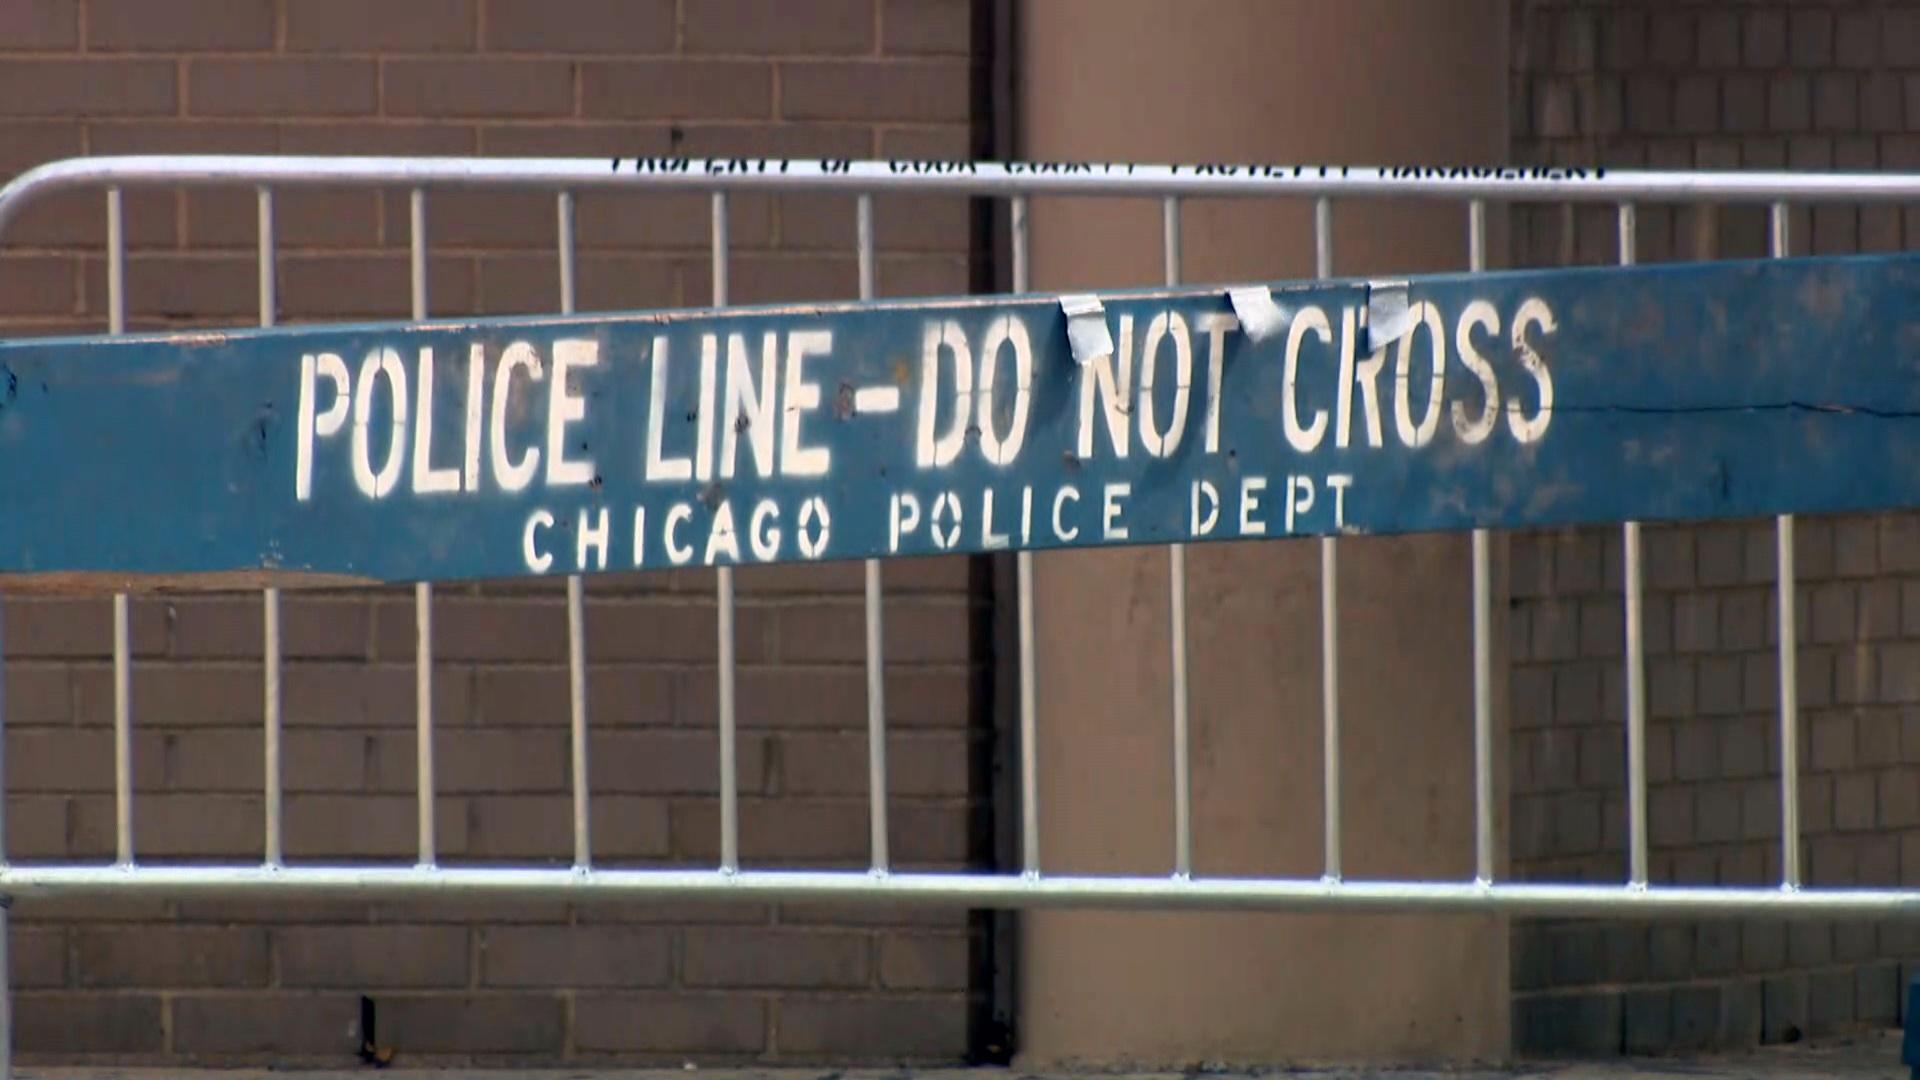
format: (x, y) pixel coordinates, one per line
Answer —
(1352, 82)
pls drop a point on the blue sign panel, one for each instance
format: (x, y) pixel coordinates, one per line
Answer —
(514, 447)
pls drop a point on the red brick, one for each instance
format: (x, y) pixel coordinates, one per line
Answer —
(478, 760)
(917, 765)
(930, 836)
(235, 627)
(321, 285)
(460, 909)
(895, 1028)
(173, 695)
(627, 827)
(667, 632)
(788, 140)
(768, 27)
(39, 285)
(37, 957)
(467, 629)
(27, 143)
(928, 275)
(168, 957)
(671, 763)
(368, 827)
(674, 89)
(775, 958)
(916, 631)
(925, 962)
(587, 26)
(574, 956)
(941, 27)
(784, 830)
(276, 908)
(282, 87)
(871, 914)
(368, 957)
(859, 90)
(377, 26)
(535, 828)
(37, 827)
(727, 1024)
(575, 140)
(632, 219)
(49, 25)
(369, 695)
(172, 826)
(489, 219)
(389, 137)
(492, 88)
(278, 1024)
(625, 283)
(945, 142)
(138, 25)
(79, 628)
(523, 1024)
(77, 761)
(95, 1024)
(39, 694)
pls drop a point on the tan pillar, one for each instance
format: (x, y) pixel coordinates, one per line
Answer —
(1353, 82)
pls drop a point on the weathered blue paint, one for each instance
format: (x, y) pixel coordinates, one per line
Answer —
(1678, 392)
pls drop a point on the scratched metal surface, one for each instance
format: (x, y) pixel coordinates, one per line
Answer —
(1678, 392)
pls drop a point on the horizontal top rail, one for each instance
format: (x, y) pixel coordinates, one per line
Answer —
(1517, 183)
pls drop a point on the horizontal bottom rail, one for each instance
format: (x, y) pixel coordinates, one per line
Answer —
(29, 884)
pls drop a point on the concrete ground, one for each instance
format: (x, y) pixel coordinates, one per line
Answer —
(1856, 1058)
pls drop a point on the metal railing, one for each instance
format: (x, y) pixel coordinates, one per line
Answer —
(1177, 886)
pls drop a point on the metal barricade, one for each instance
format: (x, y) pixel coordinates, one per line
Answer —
(1174, 887)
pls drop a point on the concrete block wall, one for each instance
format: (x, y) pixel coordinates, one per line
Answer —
(1718, 84)
(229, 983)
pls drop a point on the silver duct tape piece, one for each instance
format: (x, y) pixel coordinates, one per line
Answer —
(1260, 318)
(1087, 332)
(1387, 319)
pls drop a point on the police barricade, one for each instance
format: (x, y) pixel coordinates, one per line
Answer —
(573, 445)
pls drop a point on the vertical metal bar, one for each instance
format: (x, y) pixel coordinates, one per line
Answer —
(1177, 614)
(876, 627)
(122, 648)
(270, 598)
(576, 601)
(1023, 600)
(723, 600)
(1636, 654)
(1329, 609)
(1482, 628)
(1789, 644)
(422, 591)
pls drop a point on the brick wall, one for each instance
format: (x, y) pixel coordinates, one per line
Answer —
(228, 982)
(1715, 85)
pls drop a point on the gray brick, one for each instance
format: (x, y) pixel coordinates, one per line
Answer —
(1743, 748)
(491, 1024)
(1783, 1003)
(1530, 957)
(1670, 816)
(1717, 947)
(94, 1024)
(1560, 1025)
(1856, 40)
(1603, 759)
(1899, 536)
(1670, 687)
(571, 956)
(1648, 1021)
(1696, 622)
(1809, 944)
(1746, 619)
(1877, 858)
(1740, 1013)
(1789, 105)
(1899, 792)
(1696, 750)
(1578, 955)
(1672, 951)
(1555, 631)
(1832, 741)
(1854, 940)
(1834, 616)
(1853, 802)
(1602, 628)
(1743, 102)
(1876, 738)
(1763, 945)
(1717, 814)
(1811, 38)
(1876, 994)
(1698, 1017)
(1830, 1001)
